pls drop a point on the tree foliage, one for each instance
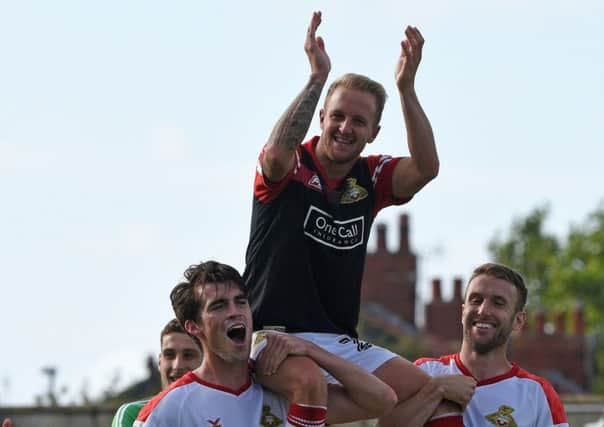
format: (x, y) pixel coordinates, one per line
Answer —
(531, 250)
(561, 272)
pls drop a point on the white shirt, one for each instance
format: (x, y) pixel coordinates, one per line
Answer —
(516, 398)
(192, 402)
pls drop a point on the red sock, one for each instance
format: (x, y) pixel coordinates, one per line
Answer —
(301, 415)
(446, 421)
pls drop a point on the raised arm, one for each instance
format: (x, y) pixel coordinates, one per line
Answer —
(291, 128)
(412, 173)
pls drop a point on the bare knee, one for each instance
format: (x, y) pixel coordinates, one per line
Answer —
(299, 379)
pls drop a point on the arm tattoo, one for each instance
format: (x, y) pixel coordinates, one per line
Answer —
(294, 123)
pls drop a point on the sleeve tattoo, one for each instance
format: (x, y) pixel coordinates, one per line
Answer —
(294, 123)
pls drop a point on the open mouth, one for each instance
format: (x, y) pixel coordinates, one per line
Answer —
(342, 140)
(237, 333)
(483, 325)
(176, 376)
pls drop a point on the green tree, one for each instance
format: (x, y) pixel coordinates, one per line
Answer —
(558, 272)
(531, 250)
(561, 271)
(579, 270)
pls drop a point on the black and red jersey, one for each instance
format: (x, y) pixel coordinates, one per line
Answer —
(308, 241)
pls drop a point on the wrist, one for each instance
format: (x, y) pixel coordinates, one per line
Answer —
(319, 77)
(406, 89)
(312, 351)
(439, 387)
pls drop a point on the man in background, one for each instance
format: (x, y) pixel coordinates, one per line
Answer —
(179, 354)
(504, 393)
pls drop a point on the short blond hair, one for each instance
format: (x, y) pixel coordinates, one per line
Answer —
(363, 84)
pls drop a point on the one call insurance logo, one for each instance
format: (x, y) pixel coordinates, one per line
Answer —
(321, 226)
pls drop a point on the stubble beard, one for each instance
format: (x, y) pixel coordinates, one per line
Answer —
(484, 347)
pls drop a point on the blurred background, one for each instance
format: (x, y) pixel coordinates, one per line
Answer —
(129, 133)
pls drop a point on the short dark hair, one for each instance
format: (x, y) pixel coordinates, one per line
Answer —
(186, 302)
(174, 326)
(503, 272)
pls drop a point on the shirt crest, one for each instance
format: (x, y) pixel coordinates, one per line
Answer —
(503, 417)
(352, 192)
(269, 419)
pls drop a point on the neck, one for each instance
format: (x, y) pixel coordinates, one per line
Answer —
(217, 371)
(333, 170)
(487, 365)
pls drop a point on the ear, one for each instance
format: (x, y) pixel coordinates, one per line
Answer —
(374, 134)
(193, 328)
(519, 321)
(321, 117)
(461, 317)
(159, 360)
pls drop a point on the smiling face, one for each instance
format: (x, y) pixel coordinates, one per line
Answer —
(225, 325)
(348, 123)
(489, 313)
(179, 354)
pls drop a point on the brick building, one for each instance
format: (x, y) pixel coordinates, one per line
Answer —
(548, 346)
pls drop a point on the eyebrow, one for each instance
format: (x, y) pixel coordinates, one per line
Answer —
(496, 297)
(217, 301)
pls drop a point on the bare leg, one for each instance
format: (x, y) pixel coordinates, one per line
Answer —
(299, 379)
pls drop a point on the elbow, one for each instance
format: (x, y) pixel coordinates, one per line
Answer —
(391, 400)
(425, 170)
(275, 165)
(272, 158)
(427, 174)
(432, 171)
(384, 403)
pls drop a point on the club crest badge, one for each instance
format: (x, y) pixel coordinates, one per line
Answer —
(268, 419)
(214, 423)
(352, 192)
(503, 417)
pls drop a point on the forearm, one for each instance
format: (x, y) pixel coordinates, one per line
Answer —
(363, 388)
(290, 130)
(420, 138)
(418, 409)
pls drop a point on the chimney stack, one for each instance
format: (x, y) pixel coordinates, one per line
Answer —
(540, 322)
(436, 294)
(457, 284)
(381, 238)
(404, 235)
(579, 320)
(560, 323)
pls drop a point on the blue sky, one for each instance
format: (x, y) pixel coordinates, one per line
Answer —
(129, 132)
